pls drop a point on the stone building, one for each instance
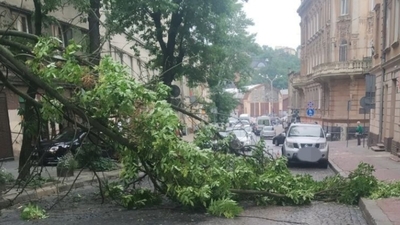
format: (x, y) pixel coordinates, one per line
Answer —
(336, 52)
(256, 101)
(385, 118)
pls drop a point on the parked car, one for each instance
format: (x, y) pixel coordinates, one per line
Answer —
(48, 152)
(244, 138)
(279, 139)
(268, 132)
(235, 143)
(306, 143)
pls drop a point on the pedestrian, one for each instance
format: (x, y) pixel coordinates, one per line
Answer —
(359, 133)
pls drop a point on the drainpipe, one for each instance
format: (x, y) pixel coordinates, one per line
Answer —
(383, 60)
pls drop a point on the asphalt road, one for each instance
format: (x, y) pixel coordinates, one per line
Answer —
(83, 206)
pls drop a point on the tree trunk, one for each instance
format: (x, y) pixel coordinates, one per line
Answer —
(94, 31)
(29, 114)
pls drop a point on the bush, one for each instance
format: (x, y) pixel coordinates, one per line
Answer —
(5, 177)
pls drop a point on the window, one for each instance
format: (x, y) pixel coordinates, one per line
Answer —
(344, 7)
(21, 23)
(343, 51)
(388, 24)
(56, 31)
(68, 35)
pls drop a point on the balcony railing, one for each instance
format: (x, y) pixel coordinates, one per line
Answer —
(343, 67)
(299, 81)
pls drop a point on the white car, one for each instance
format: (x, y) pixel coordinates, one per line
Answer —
(306, 143)
(268, 132)
(245, 138)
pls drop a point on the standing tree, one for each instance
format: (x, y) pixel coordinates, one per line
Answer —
(182, 35)
(30, 126)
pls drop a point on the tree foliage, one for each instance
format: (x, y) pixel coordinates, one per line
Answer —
(192, 176)
(186, 38)
(277, 62)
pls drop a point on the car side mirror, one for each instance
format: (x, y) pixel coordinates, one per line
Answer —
(328, 135)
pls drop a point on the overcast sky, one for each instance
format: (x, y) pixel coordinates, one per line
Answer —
(276, 22)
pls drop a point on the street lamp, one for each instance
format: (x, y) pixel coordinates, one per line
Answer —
(272, 89)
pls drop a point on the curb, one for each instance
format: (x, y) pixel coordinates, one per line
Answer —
(29, 195)
(372, 213)
(336, 169)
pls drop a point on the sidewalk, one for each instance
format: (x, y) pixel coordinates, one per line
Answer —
(345, 159)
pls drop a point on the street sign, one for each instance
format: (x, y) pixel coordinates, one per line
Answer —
(310, 112)
(310, 105)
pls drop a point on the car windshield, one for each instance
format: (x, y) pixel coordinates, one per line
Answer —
(264, 122)
(239, 133)
(268, 128)
(68, 135)
(306, 131)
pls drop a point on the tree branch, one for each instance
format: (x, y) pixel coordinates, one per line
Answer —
(27, 74)
(15, 45)
(255, 192)
(176, 21)
(19, 34)
(16, 91)
(188, 114)
(156, 16)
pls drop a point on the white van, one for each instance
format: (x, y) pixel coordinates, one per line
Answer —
(262, 121)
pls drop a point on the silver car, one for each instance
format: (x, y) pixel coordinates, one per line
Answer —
(268, 132)
(306, 143)
(244, 137)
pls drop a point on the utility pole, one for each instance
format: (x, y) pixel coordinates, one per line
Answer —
(272, 90)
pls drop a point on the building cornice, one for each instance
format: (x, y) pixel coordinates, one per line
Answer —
(303, 6)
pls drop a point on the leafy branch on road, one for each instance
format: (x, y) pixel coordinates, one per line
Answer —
(187, 173)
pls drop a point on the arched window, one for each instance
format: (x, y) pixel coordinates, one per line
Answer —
(343, 51)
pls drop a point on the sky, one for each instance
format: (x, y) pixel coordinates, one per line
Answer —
(276, 22)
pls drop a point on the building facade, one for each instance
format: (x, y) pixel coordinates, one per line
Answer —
(256, 101)
(336, 53)
(385, 117)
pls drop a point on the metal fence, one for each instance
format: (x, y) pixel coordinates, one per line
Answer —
(352, 133)
(336, 133)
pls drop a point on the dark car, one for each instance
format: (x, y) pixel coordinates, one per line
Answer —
(279, 139)
(48, 152)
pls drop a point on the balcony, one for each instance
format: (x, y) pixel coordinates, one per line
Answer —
(300, 81)
(341, 69)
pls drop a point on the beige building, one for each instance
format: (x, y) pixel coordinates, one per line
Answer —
(256, 100)
(336, 52)
(68, 27)
(385, 118)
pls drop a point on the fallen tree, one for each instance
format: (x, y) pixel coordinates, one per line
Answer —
(182, 171)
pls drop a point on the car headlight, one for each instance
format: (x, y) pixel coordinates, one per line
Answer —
(322, 145)
(53, 149)
(289, 144)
